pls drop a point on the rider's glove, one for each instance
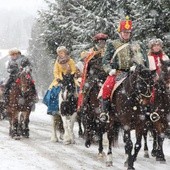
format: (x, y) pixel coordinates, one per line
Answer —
(132, 68)
(112, 72)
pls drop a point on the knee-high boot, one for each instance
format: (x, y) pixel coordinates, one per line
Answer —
(104, 116)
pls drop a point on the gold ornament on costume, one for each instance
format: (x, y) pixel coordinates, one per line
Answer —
(125, 25)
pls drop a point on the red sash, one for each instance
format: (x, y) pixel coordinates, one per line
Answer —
(86, 62)
(156, 57)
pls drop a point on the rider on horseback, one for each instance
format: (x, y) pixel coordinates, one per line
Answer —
(92, 67)
(64, 65)
(16, 63)
(155, 54)
(118, 60)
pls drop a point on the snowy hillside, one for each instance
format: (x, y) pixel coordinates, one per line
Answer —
(39, 153)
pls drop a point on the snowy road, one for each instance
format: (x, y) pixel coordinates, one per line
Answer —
(39, 153)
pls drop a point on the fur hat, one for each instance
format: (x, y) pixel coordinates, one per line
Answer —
(61, 48)
(155, 41)
(125, 25)
(13, 51)
(100, 36)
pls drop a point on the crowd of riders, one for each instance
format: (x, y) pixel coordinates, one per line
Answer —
(109, 60)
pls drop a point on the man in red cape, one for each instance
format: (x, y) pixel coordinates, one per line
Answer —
(94, 53)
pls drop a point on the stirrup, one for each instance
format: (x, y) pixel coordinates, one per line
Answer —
(104, 117)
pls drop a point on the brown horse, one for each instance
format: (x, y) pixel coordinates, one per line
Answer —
(160, 111)
(129, 107)
(21, 97)
(90, 115)
(2, 103)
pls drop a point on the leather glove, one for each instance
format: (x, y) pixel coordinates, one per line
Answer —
(132, 68)
(58, 80)
(112, 72)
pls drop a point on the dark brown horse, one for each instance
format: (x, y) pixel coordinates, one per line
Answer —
(21, 97)
(2, 103)
(90, 113)
(160, 111)
(129, 107)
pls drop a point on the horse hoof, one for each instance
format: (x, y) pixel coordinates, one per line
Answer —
(25, 135)
(131, 168)
(54, 140)
(67, 142)
(153, 153)
(161, 160)
(109, 164)
(126, 164)
(146, 155)
(16, 137)
(101, 155)
(61, 136)
(87, 144)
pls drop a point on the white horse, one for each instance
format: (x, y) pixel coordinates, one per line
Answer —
(67, 110)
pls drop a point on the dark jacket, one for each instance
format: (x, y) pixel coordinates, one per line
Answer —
(125, 58)
(14, 66)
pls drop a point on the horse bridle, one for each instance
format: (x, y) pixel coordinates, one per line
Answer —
(21, 85)
(65, 97)
(140, 95)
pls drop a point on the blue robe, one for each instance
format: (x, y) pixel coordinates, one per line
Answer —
(51, 100)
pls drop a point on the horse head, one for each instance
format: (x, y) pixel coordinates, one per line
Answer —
(67, 97)
(67, 83)
(25, 80)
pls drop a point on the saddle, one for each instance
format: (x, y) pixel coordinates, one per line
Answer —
(117, 84)
(121, 76)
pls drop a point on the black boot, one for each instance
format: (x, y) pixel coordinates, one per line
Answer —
(104, 116)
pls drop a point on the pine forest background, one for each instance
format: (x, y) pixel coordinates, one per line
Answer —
(73, 23)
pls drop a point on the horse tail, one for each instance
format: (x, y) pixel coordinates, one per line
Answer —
(116, 130)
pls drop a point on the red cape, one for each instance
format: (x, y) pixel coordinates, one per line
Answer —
(90, 55)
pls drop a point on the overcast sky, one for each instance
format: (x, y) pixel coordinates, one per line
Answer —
(32, 5)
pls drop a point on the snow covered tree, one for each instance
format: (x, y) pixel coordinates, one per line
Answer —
(73, 24)
(151, 19)
(41, 60)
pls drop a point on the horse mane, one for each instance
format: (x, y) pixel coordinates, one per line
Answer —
(68, 101)
(141, 72)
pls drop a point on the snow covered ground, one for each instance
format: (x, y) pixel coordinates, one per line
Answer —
(39, 153)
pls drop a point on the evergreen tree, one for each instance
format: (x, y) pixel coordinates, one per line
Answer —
(152, 20)
(73, 24)
(41, 60)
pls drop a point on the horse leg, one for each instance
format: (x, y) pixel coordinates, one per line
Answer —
(66, 122)
(88, 133)
(100, 140)
(146, 154)
(54, 137)
(138, 144)
(14, 132)
(26, 122)
(154, 150)
(160, 155)
(10, 123)
(80, 132)
(110, 137)
(71, 127)
(128, 150)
